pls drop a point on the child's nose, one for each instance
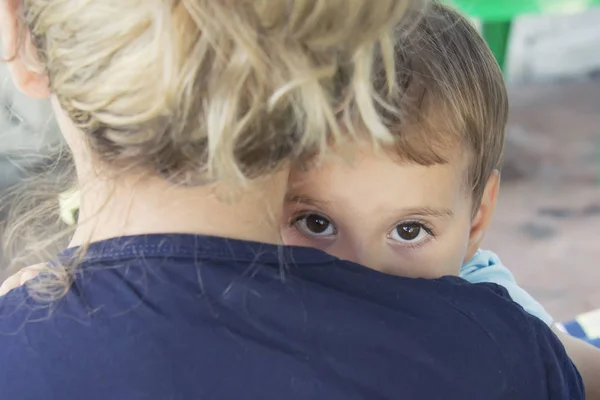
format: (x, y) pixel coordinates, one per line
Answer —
(365, 253)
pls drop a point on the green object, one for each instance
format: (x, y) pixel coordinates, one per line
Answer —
(497, 34)
(504, 10)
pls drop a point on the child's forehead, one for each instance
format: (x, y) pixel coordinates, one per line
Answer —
(367, 155)
(377, 189)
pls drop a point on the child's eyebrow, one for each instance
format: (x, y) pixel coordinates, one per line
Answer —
(296, 198)
(429, 212)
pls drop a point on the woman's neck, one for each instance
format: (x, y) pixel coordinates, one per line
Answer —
(135, 207)
(129, 205)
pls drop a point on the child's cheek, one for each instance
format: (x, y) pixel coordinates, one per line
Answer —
(291, 237)
(432, 261)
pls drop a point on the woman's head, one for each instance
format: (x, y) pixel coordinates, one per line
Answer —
(201, 90)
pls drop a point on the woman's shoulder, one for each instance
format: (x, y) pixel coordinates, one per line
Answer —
(297, 315)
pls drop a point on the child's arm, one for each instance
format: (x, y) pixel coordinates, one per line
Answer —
(485, 266)
(587, 360)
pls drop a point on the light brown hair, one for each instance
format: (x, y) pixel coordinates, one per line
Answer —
(453, 101)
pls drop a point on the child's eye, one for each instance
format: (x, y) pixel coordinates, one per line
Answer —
(409, 232)
(314, 225)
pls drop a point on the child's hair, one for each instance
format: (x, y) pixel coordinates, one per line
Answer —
(206, 90)
(454, 98)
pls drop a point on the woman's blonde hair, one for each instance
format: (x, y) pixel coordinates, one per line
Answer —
(201, 90)
(206, 90)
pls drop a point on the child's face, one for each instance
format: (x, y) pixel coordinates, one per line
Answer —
(398, 218)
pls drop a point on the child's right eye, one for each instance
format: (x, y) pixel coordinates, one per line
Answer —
(314, 225)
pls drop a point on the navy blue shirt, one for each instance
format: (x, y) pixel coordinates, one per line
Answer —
(191, 317)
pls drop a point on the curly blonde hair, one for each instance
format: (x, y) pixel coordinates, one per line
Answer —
(200, 91)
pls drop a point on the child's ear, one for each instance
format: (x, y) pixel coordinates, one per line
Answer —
(20, 53)
(484, 214)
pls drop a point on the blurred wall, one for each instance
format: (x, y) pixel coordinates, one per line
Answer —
(26, 129)
(555, 47)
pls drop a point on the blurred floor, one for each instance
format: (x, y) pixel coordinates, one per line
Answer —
(547, 226)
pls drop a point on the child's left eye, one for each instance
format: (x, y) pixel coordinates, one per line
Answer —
(409, 232)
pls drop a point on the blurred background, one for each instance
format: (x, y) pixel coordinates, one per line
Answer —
(547, 226)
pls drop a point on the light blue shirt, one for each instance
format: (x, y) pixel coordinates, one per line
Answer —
(485, 266)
